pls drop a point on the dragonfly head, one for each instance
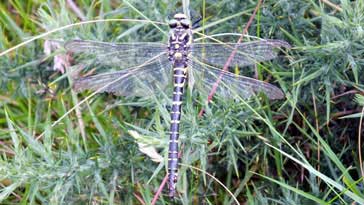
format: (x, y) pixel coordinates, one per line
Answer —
(179, 21)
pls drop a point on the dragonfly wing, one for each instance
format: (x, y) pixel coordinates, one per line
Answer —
(115, 54)
(248, 53)
(230, 85)
(140, 81)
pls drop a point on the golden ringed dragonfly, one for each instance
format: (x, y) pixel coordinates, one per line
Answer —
(147, 67)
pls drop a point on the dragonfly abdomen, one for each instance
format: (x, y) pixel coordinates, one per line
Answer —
(179, 79)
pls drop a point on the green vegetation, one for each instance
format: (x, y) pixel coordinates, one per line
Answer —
(305, 149)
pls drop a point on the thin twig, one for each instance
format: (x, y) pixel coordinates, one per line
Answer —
(345, 93)
(159, 191)
(332, 5)
(228, 62)
(317, 130)
(343, 113)
(139, 199)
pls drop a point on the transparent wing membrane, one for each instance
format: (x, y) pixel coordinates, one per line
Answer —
(230, 85)
(140, 81)
(248, 53)
(145, 67)
(124, 55)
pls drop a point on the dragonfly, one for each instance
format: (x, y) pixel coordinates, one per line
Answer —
(148, 67)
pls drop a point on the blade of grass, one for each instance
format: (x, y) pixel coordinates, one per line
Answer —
(70, 26)
(296, 190)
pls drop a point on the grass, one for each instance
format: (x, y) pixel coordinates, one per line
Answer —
(304, 149)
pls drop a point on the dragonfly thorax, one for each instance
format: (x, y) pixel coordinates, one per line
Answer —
(180, 38)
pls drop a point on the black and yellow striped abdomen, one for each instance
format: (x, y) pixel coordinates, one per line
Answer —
(179, 79)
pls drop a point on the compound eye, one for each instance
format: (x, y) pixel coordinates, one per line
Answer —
(185, 23)
(173, 23)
